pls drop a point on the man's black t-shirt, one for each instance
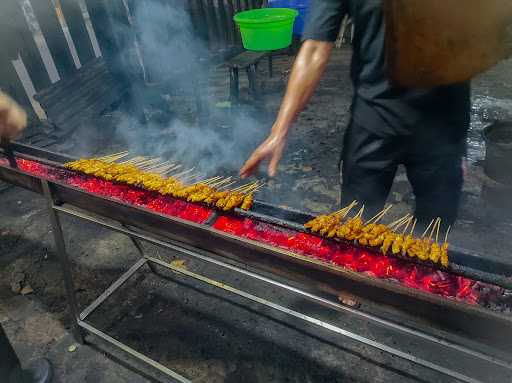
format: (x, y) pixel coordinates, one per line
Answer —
(378, 105)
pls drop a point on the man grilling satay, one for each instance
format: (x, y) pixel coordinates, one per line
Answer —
(12, 121)
(423, 129)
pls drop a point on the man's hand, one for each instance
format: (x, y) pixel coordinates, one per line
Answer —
(272, 149)
(13, 118)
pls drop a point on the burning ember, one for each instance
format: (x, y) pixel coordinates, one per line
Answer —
(363, 261)
(344, 255)
(128, 194)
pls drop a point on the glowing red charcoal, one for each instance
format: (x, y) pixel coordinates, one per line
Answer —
(341, 254)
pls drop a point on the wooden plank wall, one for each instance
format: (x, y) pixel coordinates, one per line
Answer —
(212, 20)
(18, 41)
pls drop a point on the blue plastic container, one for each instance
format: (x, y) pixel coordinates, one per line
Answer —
(302, 6)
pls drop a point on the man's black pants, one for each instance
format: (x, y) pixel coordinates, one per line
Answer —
(432, 158)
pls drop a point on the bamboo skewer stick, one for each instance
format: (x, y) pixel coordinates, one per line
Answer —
(413, 226)
(359, 213)
(183, 173)
(406, 226)
(190, 177)
(446, 235)
(437, 231)
(349, 206)
(174, 168)
(258, 188)
(426, 230)
(145, 164)
(253, 188)
(379, 215)
(394, 223)
(397, 227)
(223, 182)
(436, 223)
(227, 185)
(208, 180)
(343, 212)
(133, 160)
(108, 156)
(113, 155)
(243, 187)
(164, 169)
(156, 166)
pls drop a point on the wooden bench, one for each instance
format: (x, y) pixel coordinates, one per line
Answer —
(80, 98)
(247, 61)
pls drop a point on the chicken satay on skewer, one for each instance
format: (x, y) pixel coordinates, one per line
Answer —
(114, 157)
(397, 246)
(371, 229)
(316, 222)
(409, 239)
(340, 216)
(425, 242)
(390, 236)
(331, 222)
(444, 249)
(435, 248)
(247, 202)
(351, 229)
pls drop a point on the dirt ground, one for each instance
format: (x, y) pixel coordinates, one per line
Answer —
(210, 336)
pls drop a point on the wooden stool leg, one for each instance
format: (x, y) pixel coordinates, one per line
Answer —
(234, 86)
(251, 75)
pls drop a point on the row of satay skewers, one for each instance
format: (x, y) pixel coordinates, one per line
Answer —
(169, 179)
(396, 237)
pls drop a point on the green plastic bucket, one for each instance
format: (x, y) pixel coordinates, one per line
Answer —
(266, 29)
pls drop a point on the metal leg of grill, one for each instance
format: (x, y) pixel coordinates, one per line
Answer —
(139, 248)
(60, 245)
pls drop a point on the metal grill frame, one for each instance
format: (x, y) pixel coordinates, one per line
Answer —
(82, 326)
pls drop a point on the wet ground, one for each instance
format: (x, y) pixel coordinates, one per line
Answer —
(193, 329)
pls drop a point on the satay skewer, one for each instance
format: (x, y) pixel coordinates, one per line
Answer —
(398, 222)
(446, 235)
(427, 229)
(258, 188)
(183, 173)
(379, 215)
(165, 169)
(173, 169)
(344, 212)
(227, 185)
(190, 177)
(414, 226)
(113, 155)
(156, 166)
(208, 180)
(406, 226)
(359, 213)
(133, 160)
(223, 183)
(148, 163)
(243, 187)
(254, 187)
(432, 231)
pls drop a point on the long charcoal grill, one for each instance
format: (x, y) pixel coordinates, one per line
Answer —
(309, 278)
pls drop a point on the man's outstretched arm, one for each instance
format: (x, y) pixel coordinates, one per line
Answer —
(307, 71)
